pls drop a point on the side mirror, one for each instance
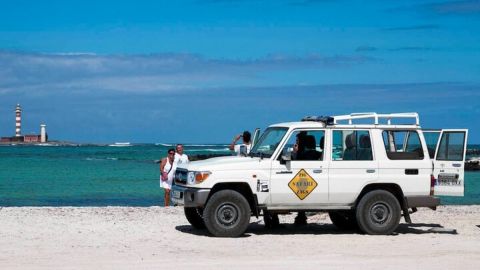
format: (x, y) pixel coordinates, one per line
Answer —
(284, 158)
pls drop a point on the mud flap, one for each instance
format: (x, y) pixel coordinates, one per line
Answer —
(406, 214)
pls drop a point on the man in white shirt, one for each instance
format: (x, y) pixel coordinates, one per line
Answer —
(180, 157)
(244, 148)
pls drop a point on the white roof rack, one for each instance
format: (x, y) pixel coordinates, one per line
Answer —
(376, 117)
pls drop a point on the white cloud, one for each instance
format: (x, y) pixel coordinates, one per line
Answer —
(142, 73)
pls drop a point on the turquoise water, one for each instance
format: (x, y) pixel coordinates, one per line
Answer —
(104, 175)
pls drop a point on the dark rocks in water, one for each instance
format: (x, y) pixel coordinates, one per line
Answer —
(473, 151)
(206, 156)
(198, 157)
(472, 165)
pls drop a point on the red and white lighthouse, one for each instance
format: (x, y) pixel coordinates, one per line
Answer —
(18, 121)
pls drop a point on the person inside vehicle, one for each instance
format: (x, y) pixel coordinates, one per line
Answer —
(309, 152)
(299, 145)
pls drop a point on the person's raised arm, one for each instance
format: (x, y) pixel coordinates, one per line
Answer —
(235, 140)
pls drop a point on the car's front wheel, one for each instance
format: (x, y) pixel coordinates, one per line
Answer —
(227, 214)
(194, 217)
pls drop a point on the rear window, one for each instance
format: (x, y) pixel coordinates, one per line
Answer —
(402, 145)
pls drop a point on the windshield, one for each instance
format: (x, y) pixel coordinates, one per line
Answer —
(268, 142)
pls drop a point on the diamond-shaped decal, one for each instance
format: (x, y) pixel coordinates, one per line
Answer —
(302, 184)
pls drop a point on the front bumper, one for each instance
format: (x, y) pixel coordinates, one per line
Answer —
(189, 197)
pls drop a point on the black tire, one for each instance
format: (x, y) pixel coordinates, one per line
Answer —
(344, 220)
(271, 220)
(227, 214)
(378, 212)
(194, 217)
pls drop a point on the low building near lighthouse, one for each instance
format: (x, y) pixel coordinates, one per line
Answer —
(29, 138)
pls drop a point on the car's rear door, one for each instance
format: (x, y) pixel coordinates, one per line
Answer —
(449, 162)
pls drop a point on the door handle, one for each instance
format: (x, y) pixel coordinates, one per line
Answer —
(284, 172)
(317, 171)
(411, 171)
(370, 171)
(457, 165)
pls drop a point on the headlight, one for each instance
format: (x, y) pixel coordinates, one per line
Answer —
(197, 177)
(191, 178)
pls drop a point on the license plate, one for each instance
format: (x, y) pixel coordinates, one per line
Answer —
(177, 194)
(448, 179)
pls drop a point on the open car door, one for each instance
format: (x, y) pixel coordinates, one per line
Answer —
(449, 162)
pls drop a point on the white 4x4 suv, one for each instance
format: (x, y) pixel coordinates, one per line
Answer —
(362, 168)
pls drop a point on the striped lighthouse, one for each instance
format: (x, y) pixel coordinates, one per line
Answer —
(18, 121)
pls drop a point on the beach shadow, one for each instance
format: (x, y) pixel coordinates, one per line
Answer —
(199, 232)
(292, 229)
(328, 228)
(423, 228)
(283, 229)
(191, 230)
(256, 228)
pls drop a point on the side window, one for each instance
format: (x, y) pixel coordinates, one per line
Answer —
(351, 145)
(402, 145)
(451, 146)
(305, 145)
(431, 139)
(413, 142)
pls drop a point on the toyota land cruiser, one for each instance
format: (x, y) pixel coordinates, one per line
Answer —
(366, 170)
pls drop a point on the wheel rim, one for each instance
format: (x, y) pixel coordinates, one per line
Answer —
(227, 214)
(380, 213)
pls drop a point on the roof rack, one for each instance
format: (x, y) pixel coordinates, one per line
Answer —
(376, 117)
(327, 120)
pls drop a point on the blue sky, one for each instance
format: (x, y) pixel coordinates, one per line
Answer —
(201, 71)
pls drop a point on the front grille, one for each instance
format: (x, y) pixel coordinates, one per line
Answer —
(181, 176)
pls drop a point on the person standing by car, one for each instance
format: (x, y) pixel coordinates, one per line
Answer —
(167, 171)
(243, 148)
(180, 157)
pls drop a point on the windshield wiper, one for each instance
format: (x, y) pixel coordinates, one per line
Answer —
(261, 155)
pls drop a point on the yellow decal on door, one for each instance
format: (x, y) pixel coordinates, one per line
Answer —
(302, 184)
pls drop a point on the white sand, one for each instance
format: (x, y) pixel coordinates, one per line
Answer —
(161, 238)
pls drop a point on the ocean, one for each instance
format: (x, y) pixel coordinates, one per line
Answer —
(110, 176)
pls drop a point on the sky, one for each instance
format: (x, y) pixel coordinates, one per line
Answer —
(203, 71)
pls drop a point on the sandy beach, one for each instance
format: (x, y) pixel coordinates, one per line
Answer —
(161, 238)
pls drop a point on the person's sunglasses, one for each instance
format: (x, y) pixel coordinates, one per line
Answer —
(171, 153)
